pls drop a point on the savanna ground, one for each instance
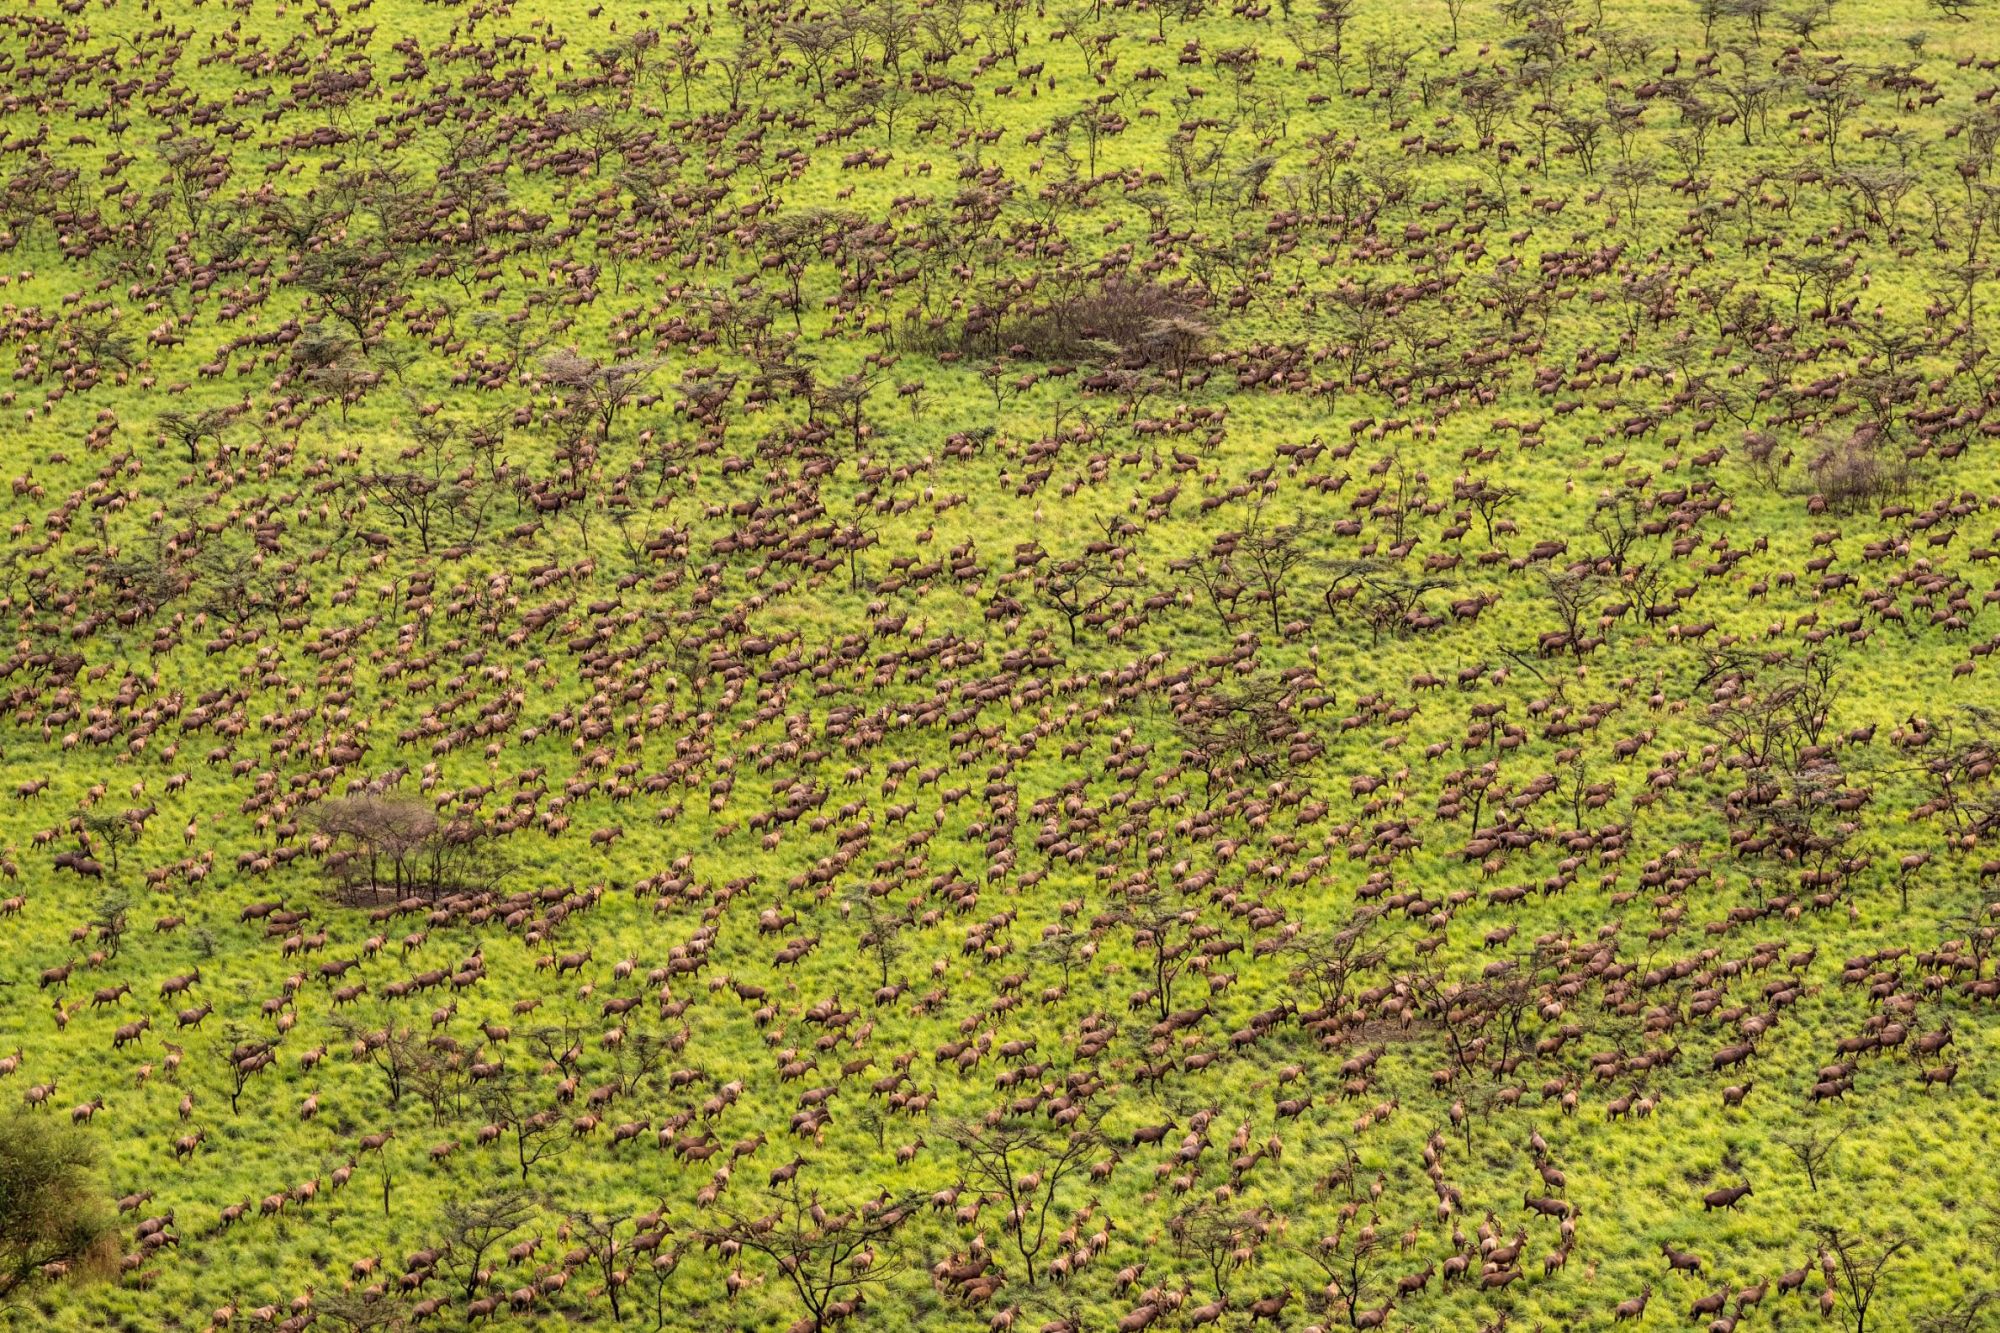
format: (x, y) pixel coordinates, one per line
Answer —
(1073, 667)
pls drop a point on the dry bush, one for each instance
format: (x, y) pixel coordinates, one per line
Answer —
(1854, 472)
(1140, 324)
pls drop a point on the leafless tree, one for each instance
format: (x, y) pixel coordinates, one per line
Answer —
(1813, 1148)
(598, 1233)
(828, 1256)
(1859, 1263)
(1326, 961)
(537, 1131)
(1024, 1164)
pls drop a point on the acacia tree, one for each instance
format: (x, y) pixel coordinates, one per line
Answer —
(1219, 1240)
(1965, 1315)
(599, 1234)
(1160, 930)
(1271, 554)
(1389, 599)
(1024, 1164)
(815, 41)
(1078, 589)
(829, 1258)
(881, 928)
(1813, 1147)
(1325, 962)
(537, 1131)
(799, 237)
(110, 921)
(356, 285)
(594, 390)
(1250, 727)
(423, 505)
(1572, 597)
(190, 429)
(472, 1227)
(1858, 1262)
(1470, 1013)
(1773, 719)
(383, 829)
(244, 1056)
(108, 830)
(396, 1051)
(1349, 1265)
(1485, 498)
(52, 1218)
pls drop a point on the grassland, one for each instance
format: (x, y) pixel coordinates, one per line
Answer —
(1363, 587)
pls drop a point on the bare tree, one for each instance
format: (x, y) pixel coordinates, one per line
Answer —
(881, 928)
(1349, 1263)
(244, 1056)
(1326, 961)
(1968, 1314)
(538, 1132)
(1160, 930)
(1024, 1164)
(1572, 597)
(1859, 1262)
(599, 1234)
(1079, 589)
(1813, 1148)
(384, 830)
(1272, 554)
(1955, 10)
(831, 1258)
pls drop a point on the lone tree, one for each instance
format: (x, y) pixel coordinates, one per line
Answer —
(53, 1221)
(881, 927)
(1813, 1147)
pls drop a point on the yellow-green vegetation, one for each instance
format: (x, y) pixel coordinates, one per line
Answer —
(971, 665)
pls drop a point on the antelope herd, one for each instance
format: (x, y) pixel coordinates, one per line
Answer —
(1001, 665)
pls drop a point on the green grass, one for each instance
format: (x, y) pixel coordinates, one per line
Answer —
(630, 263)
